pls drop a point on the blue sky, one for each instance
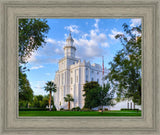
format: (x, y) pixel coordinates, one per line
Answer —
(93, 39)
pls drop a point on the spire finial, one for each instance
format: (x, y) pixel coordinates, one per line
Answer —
(69, 37)
(70, 32)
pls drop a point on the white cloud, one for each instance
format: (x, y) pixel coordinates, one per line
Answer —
(92, 52)
(114, 32)
(94, 39)
(96, 23)
(57, 50)
(89, 45)
(135, 22)
(48, 52)
(105, 44)
(72, 28)
(37, 67)
(49, 40)
(33, 57)
(39, 88)
(65, 35)
(48, 74)
(84, 36)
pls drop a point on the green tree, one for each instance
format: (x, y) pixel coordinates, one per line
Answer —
(91, 94)
(96, 95)
(45, 101)
(125, 70)
(68, 99)
(106, 95)
(37, 101)
(50, 87)
(39, 97)
(25, 91)
(31, 36)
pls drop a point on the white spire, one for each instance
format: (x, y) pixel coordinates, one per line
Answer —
(69, 48)
(70, 39)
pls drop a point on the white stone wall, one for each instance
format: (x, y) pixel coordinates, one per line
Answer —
(127, 104)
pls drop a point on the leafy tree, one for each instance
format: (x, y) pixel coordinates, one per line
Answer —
(39, 97)
(68, 99)
(36, 103)
(92, 90)
(50, 87)
(40, 101)
(125, 70)
(106, 95)
(45, 101)
(37, 100)
(31, 36)
(25, 91)
(95, 95)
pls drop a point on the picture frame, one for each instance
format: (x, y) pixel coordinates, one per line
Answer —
(147, 10)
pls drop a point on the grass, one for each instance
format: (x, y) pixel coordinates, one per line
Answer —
(79, 113)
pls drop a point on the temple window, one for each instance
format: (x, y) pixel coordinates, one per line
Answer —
(92, 79)
(71, 80)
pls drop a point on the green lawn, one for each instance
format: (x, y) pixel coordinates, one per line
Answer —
(79, 113)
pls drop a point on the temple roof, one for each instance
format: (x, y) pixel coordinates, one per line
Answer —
(70, 37)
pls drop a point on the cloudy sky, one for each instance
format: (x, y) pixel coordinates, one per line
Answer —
(93, 39)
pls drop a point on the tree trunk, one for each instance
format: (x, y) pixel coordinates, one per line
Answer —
(102, 109)
(28, 105)
(50, 100)
(69, 105)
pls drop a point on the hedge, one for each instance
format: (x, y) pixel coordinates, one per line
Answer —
(35, 109)
(125, 109)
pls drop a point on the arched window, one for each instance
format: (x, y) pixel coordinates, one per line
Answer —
(86, 77)
(98, 80)
(92, 79)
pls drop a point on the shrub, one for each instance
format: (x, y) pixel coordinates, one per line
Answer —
(125, 109)
(106, 109)
(62, 109)
(54, 108)
(76, 109)
(86, 109)
(67, 110)
(22, 104)
(73, 109)
(33, 109)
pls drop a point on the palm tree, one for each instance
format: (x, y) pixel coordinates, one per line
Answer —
(68, 99)
(51, 87)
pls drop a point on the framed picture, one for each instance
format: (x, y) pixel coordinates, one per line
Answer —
(75, 74)
(15, 13)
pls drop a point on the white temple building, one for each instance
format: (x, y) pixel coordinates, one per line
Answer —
(72, 75)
